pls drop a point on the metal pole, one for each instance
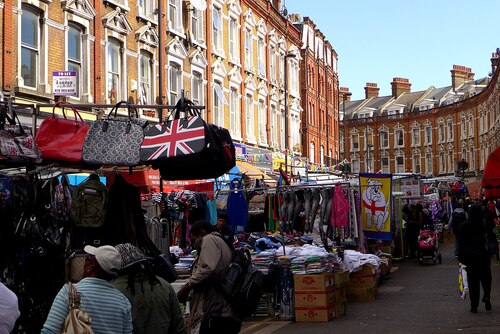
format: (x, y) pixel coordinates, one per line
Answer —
(286, 105)
(160, 61)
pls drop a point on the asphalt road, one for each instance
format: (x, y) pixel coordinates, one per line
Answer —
(414, 299)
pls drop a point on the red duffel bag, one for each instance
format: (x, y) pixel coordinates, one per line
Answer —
(62, 138)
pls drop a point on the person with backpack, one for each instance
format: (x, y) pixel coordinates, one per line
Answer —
(210, 311)
(457, 218)
(155, 308)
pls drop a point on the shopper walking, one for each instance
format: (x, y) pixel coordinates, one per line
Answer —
(473, 254)
(108, 308)
(457, 218)
(210, 312)
(9, 309)
(155, 308)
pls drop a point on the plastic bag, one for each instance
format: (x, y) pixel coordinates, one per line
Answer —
(463, 285)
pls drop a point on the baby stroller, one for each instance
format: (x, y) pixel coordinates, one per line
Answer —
(428, 244)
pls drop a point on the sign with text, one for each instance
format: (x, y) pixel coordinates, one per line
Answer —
(64, 83)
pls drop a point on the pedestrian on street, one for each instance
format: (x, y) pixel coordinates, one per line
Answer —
(155, 308)
(473, 254)
(9, 309)
(412, 229)
(107, 307)
(457, 218)
(210, 312)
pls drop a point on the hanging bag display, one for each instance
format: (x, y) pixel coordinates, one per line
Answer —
(16, 143)
(77, 321)
(114, 140)
(209, 156)
(62, 138)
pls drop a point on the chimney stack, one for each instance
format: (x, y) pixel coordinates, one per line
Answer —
(371, 90)
(460, 74)
(343, 92)
(400, 86)
(495, 61)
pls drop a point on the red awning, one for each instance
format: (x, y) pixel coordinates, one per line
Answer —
(148, 180)
(491, 175)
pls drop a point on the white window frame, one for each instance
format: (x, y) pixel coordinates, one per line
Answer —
(272, 63)
(262, 109)
(355, 143)
(399, 135)
(463, 129)
(197, 26)
(417, 168)
(146, 9)
(282, 128)
(442, 133)
(234, 41)
(384, 139)
(217, 29)
(428, 135)
(429, 163)
(386, 167)
(235, 113)
(174, 82)
(274, 125)
(146, 82)
(355, 166)
(248, 49)
(175, 16)
(261, 58)
(197, 88)
(442, 162)
(250, 117)
(400, 168)
(115, 46)
(219, 100)
(76, 63)
(312, 148)
(34, 49)
(415, 137)
(471, 127)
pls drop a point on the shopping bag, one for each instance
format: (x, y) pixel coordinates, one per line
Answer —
(61, 138)
(114, 140)
(16, 143)
(463, 285)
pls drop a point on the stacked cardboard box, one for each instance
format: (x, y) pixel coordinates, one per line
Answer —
(340, 282)
(317, 297)
(363, 284)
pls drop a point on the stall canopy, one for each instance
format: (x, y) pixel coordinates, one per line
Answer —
(243, 167)
(491, 175)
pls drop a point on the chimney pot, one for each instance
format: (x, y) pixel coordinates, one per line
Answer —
(400, 86)
(371, 90)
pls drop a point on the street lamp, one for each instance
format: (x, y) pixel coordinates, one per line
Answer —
(288, 55)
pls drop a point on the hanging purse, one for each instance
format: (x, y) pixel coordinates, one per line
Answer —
(16, 143)
(114, 140)
(77, 321)
(187, 148)
(62, 138)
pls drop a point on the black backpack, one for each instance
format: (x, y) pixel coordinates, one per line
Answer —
(242, 284)
(458, 219)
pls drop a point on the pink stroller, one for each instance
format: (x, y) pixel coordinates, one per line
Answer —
(428, 244)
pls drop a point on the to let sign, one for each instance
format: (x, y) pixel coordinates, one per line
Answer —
(64, 83)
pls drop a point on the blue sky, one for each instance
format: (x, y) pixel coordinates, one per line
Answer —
(421, 40)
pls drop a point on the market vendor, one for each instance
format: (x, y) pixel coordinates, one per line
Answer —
(223, 228)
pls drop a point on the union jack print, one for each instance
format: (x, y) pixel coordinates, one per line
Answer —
(174, 138)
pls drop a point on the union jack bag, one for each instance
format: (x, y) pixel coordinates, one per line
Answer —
(174, 138)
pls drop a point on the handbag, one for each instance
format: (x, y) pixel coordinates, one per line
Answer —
(209, 156)
(114, 140)
(77, 321)
(463, 284)
(16, 143)
(62, 138)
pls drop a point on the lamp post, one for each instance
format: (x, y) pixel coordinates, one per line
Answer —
(285, 72)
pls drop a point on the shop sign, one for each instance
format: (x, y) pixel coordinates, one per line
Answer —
(411, 187)
(64, 83)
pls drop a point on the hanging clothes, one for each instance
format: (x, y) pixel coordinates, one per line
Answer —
(340, 209)
(211, 211)
(237, 207)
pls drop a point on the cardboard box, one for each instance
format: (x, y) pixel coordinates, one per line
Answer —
(361, 294)
(316, 282)
(365, 278)
(340, 308)
(340, 278)
(316, 313)
(340, 295)
(314, 298)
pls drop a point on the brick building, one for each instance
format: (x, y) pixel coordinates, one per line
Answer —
(319, 93)
(425, 132)
(228, 55)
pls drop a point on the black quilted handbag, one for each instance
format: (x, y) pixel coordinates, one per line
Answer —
(114, 140)
(215, 157)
